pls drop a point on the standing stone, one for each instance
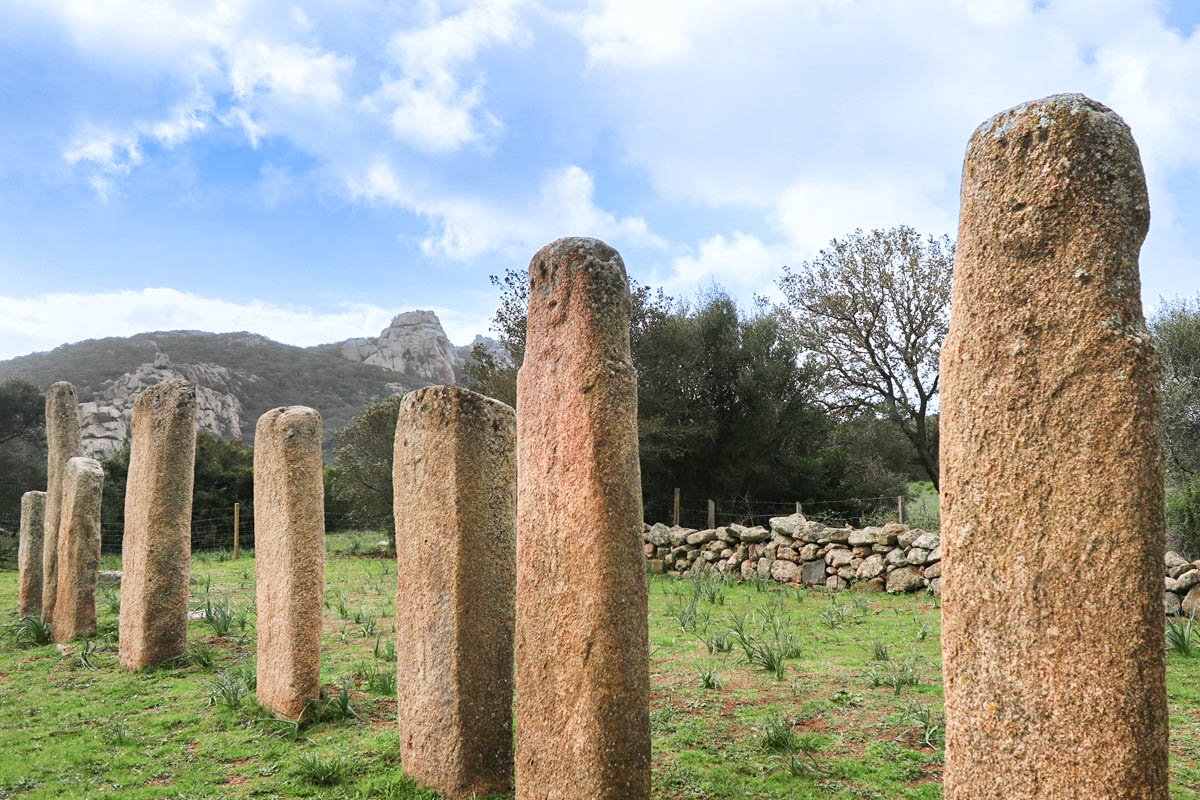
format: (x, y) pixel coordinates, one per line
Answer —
(582, 676)
(455, 479)
(63, 442)
(1050, 416)
(29, 554)
(78, 550)
(157, 548)
(289, 564)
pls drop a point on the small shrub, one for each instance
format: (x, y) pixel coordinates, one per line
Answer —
(338, 706)
(835, 614)
(880, 652)
(118, 732)
(111, 599)
(220, 617)
(87, 655)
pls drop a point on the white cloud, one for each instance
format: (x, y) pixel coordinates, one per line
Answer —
(465, 227)
(46, 321)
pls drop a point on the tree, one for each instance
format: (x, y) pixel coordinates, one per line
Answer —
(361, 476)
(727, 405)
(874, 308)
(1175, 326)
(22, 445)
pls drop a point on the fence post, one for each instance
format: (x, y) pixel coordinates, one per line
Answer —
(237, 513)
(675, 516)
(900, 507)
(712, 515)
(798, 510)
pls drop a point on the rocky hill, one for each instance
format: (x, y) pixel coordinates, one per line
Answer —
(241, 375)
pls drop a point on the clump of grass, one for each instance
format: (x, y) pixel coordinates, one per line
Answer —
(339, 706)
(319, 771)
(777, 735)
(894, 674)
(382, 681)
(200, 655)
(231, 686)
(686, 611)
(111, 599)
(708, 675)
(31, 631)
(926, 722)
(87, 655)
(118, 732)
(835, 614)
(922, 628)
(369, 627)
(385, 649)
(880, 652)
(801, 760)
(719, 642)
(1181, 636)
(710, 587)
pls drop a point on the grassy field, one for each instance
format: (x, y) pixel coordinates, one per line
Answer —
(758, 692)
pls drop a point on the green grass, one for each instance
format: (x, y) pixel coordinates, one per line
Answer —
(756, 693)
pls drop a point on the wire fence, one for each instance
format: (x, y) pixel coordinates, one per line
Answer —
(211, 530)
(705, 513)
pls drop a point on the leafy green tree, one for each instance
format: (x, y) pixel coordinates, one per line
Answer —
(1175, 326)
(727, 404)
(360, 479)
(224, 475)
(874, 309)
(22, 445)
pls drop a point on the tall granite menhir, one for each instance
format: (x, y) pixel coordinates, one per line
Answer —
(78, 550)
(29, 554)
(157, 547)
(289, 542)
(1052, 629)
(63, 442)
(582, 659)
(455, 476)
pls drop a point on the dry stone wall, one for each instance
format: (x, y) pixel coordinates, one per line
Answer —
(794, 549)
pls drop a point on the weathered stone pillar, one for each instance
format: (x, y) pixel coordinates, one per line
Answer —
(1052, 474)
(157, 548)
(29, 554)
(78, 550)
(63, 442)
(289, 544)
(455, 479)
(582, 659)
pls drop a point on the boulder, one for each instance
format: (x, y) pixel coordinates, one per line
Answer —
(788, 554)
(907, 538)
(1191, 601)
(785, 572)
(753, 535)
(835, 582)
(813, 572)
(871, 567)
(839, 558)
(935, 587)
(865, 537)
(789, 525)
(677, 536)
(655, 566)
(933, 571)
(895, 557)
(916, 556)
(934, 555)
(1187, 580)
(747, 570)
(659, 535)
(927, 541)
(1171, 604)
(764, 568)
(809, 552)
(109, 577)
(701, 537)
(1173, 559)
(905, 579)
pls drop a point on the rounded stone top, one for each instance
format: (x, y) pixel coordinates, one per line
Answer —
(1051, 110)
(83, 464)
(455, 399)
(61, 386)
(578, 284)
(185, 390)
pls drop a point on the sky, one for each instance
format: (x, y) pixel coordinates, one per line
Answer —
(307, 170)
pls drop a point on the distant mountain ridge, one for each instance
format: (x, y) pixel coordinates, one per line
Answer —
(241, 375)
